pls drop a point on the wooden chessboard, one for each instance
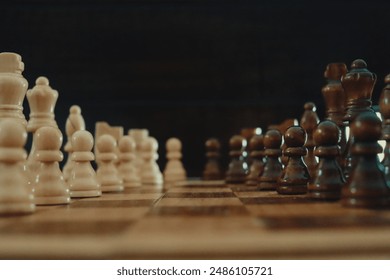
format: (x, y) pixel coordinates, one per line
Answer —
(197, 220)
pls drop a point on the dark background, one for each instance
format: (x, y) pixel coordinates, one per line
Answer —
(192, 69)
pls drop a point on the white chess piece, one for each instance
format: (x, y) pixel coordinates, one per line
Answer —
(42, 100)
(15, 196)
(74, 123)
(107, 172)
(13, 87)
(50, 187)
(174, 170)
(83, 181)
(150, 172)
(126, 162)
(139, 135)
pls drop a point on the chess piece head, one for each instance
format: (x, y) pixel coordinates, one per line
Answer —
(367, 128)
(327, 134)
(213, 144)
(75, 121)
(273, 139)
(126, 144)
(173, 145)
(42, 100)
(256, 143)
(11, 63)
(106, 144)
(237, 143)
(48, 144)
(334, 71)
(295, 136)
(13, 87)
(82, 141)
(358, 85)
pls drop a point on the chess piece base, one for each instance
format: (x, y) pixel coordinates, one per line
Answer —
(91, 193)
(52, 200)
(293, 189)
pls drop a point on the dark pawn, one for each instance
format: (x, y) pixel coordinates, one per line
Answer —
(384, 107)
(238, 168)
(309, 123)
(212, 170)
(329, 178)
(282, 127)
(273, 167)
(256, 156)
(366, 187)
(295, 175)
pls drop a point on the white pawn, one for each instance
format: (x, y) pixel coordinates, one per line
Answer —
(126, 162)
(139, 135)
(83, 181)
(107, 172)
(50, 187)
(15, 196)
(74, 123)
(150, 172)
(174, 170)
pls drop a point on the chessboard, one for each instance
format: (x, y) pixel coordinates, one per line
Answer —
(197, 219)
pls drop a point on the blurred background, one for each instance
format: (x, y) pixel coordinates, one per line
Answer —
(192, 69)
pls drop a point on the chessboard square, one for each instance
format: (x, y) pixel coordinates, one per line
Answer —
(66, 228)
(89, 214)
(143, 189)
(198, 189)
(112, 203)
(199, 211)
(304, 210)
(198, 195)
(337, 222)
(276, 200)
(207, 201)
(122, 196)
(244, 188)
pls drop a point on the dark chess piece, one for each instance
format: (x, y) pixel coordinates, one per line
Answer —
(366, 186)
(256, 156)
(238, 168)
(329, 178)
(309, 123)
(295, 175)
(358, 85)
(384, 107)
(273, 167)
(282, 127)
(334, 96)
(212, 169)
